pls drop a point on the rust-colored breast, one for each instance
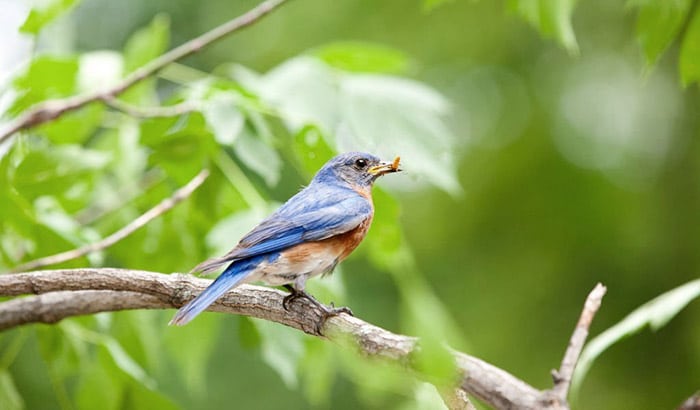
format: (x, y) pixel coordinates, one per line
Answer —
(348, 241)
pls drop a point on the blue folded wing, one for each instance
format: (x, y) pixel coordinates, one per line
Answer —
(312, 215)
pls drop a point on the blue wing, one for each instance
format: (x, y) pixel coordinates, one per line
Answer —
(316, 213)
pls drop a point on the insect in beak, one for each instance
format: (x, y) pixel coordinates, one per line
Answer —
(385, 167)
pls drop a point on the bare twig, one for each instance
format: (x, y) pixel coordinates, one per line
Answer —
(49, 110)
(149, 112)
(71, 292)
(164, 206)
(562, 377)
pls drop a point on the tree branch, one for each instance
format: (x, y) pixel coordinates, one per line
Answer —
(562, 377)
(52, 109)
(71, 292)
(164, 206)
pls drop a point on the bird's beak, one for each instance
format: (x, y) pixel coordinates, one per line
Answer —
(385, 167)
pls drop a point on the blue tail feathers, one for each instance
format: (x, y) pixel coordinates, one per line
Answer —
(234, 274)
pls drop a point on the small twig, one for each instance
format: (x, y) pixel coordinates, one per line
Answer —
(49, 110)
(562, 377)
(164, 206)
(149, 112)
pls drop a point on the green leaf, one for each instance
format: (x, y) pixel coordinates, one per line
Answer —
(318, 370)
(655, 314)
(304, 91)
(690, 51)
(98, 387)
(248, 333)
(191, 346)
(126, 364)
(552, 18)
(141, 48)
(223, 117)
(44, 13)
(282, 349)
(46, 77)
(658, 23)
(384, 114)
(259, 157)
(76, 126)
(184, 149)
(363, 57)
(61, 171)
(395, 116)
(147, 43)
(9, 396)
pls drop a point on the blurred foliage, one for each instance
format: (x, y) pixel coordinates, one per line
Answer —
(532, 172)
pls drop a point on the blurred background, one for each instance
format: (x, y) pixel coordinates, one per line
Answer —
(533, 171)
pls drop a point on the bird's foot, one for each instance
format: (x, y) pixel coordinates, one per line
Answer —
(293, 295)
(327, 311)
(338, 310)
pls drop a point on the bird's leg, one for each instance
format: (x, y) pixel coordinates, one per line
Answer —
(293, 295)
(327, 311)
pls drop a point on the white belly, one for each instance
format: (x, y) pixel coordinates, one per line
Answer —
(286, 270)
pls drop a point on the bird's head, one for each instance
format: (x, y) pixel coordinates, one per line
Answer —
(356, 168)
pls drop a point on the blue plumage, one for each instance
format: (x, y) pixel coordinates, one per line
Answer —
(305, 237)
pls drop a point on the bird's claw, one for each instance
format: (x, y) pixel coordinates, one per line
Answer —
(289, 299)
(338, 310)
(327, 311)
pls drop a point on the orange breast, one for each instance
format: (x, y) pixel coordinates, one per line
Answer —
(347, 242)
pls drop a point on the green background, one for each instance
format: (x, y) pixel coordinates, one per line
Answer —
(575, 164)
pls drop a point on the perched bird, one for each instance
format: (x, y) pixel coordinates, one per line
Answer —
(307, 236)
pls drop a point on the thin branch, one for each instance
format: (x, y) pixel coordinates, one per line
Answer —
(71, 292)
(562, 377)
(149, 112)
(52, 109)
(164, 206)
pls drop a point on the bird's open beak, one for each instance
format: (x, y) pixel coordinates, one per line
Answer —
(385, 167)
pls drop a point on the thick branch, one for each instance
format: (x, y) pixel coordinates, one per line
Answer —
(164, 206)
(70, 292)
(562, 377)
(52, 109)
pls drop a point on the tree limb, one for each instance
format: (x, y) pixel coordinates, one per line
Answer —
(52, 109)
(72, 292)
(164, 206)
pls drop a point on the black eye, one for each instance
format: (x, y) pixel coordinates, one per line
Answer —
(360, 163)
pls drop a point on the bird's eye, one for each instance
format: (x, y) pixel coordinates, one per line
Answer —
(360, 163)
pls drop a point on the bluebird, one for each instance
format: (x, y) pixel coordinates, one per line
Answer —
(306, 237)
